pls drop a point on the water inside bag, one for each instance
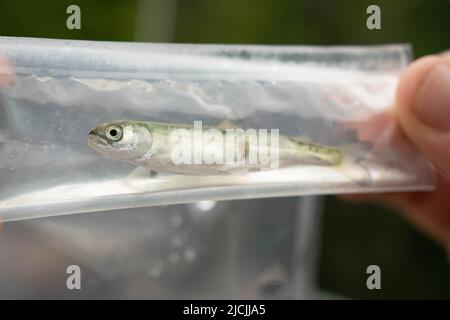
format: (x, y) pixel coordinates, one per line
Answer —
(64, 88)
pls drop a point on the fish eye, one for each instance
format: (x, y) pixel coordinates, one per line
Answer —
(113, 133)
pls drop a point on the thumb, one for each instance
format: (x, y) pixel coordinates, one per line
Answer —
(423, 108)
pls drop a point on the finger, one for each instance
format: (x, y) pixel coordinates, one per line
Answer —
(6, 73)
(429, 211)
(423, 108)
(423, 112)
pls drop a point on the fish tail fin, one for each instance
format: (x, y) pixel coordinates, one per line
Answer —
(352, 164)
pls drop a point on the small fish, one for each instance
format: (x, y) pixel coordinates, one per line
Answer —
(152, 144)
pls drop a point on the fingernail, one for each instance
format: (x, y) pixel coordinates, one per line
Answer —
(432, 105)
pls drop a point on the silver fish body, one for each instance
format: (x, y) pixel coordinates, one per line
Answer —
(153, 145)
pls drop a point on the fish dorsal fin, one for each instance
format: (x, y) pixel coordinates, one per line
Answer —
(226, 124)
(301, 139)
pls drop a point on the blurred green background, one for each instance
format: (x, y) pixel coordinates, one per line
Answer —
(354, 235)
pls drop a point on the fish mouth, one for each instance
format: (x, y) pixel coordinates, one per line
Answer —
(95, 141)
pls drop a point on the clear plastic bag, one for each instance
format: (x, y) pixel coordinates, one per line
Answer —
(334, 96)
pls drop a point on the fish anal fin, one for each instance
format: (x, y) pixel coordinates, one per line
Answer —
(139, 173)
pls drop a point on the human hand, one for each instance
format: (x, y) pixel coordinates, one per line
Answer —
(6, 79)
(422, 111)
